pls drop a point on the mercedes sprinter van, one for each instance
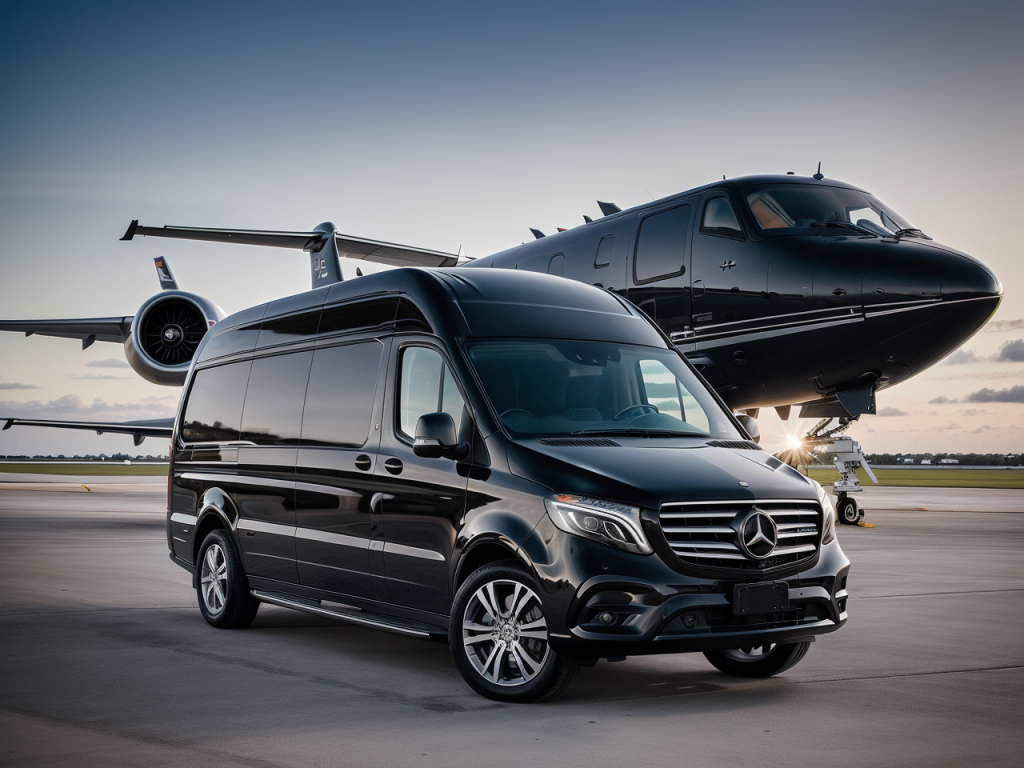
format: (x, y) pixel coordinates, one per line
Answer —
(518, 463)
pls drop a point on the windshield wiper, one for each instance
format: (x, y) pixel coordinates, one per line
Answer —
(911, 232)
(640, 431)
(844, 225)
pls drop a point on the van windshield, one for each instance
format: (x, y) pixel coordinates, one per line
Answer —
(556, 387)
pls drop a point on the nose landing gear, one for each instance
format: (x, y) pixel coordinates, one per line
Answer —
(847, 455)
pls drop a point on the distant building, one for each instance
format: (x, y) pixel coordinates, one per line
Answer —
(949, 461)
(926, 461)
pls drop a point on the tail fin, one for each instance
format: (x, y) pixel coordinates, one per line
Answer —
(163, 273)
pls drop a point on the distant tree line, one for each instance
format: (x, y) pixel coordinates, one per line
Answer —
(962, 459)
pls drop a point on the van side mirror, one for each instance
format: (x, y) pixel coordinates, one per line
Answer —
(749, 423)
(436, 438)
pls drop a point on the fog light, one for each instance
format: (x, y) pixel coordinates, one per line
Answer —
(607, 618)
(689, 621)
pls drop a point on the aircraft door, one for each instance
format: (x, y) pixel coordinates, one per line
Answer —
(730, 271)
(424, 499)
(334, 473)
(660, 285)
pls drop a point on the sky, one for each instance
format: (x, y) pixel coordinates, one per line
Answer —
(448, 125)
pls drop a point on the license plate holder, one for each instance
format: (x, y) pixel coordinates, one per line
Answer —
(756, 599)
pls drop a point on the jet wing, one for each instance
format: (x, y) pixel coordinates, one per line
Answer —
(139, 430)
(116, 329)
(352, 247)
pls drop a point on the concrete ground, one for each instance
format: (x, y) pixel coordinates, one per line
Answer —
(105, 661)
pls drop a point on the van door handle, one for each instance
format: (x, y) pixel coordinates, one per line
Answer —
(394, 466)
(698, 288)
(838, 292)
(363, 462)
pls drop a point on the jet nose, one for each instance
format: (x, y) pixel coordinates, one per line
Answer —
(972, 280)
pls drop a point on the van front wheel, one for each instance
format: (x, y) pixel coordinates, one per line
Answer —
(223, 590)
(499, 637)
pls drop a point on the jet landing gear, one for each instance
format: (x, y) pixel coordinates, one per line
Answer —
(848, 457)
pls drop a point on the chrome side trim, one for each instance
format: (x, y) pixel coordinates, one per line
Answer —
(340, 539)
(181, 517)
(233, 479)
(328, 490)
(402, 549)
(262, 526)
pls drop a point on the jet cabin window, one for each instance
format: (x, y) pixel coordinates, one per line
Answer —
(800, 206)
(426, 386)
(661, 244)
(720, 219)
(604, 251)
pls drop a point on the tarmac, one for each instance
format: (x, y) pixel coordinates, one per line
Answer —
(106, 661)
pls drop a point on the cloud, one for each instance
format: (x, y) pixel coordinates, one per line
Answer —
(952, 426)
(1011, 395)
(892, 412)
(108, 363)
(962, 357)
(72, 406)
(1012, 351)
(970, 412)
(982, 428)
(1005, 325)
(940, 400)
(17, 385)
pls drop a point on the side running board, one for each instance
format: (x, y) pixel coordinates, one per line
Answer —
(351, 615)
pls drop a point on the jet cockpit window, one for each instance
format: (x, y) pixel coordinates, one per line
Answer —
(820, 208)
(720, 219)
(555, 388)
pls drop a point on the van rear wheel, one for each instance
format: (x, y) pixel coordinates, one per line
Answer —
(499, 637)
(223, 590)
(758, 661)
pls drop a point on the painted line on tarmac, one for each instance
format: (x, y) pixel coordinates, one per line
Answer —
(936, 594)
(915, 674)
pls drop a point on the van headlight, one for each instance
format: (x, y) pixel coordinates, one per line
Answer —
(617, 525)
(828, 532)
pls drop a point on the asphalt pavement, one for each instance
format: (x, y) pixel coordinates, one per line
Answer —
(105, 661)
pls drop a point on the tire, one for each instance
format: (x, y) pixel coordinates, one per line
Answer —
(763, 661)
(848, 512)
(493, 610)
(221, 586)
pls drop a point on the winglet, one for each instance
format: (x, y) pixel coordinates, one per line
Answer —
(130, 233)
(8, 424)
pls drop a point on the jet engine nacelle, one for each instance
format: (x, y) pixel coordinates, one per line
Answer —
(165, 335)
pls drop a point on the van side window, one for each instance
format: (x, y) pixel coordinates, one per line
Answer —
(661, 245)
(426, 386)
(214, 409)
(604, 251)
(720, 219)
(340, 395)
(273, 402)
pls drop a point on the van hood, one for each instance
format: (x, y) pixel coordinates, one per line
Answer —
(649, 472)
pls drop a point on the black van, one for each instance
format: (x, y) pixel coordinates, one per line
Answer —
(515, 462)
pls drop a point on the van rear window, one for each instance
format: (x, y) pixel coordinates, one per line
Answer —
(214, 409)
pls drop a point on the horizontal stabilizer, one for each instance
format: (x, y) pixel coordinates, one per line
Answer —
(313, 241)
(139, 430)
(114, 329)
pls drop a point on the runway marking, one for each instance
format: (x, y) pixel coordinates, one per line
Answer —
(937, 594)
(915, 674)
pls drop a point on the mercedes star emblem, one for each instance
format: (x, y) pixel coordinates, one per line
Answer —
(758, 535)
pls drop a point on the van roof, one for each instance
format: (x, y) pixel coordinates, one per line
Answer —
(464, 303)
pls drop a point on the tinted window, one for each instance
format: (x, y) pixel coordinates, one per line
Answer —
(604, 251)
(358, 315)
(340, 396)
(556, 264)
(214, 409)
(273, 402)
(659, 249)
(427, 386)
(719, 218)
(280, 330)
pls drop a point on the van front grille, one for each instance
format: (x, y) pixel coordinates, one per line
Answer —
(705, 534)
